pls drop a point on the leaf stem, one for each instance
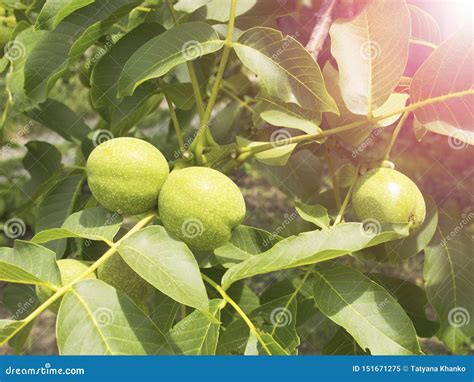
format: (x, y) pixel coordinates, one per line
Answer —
(174, 118)
(326, 133)
(396, 131)
(64, 289)
(345, 203)
(238, 309)
(217, 83)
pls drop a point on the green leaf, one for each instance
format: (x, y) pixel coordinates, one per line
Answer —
(163, 310)
(167, 264)
(448, 274)
(366, 310)
(42, 161)
(113, 324)
(418, 240)
(226, 123)
(371, 51)
(342, 343)
(159, 55)
(277, 156)
(412, 299)
(196, 334)
(190, 5)
(313, 247)
(57, 206)
(65, 44)
(245, 242)
(28, 263)
(93, 224)
(286, 114)
(272, 347)
(54, 11)
(316, 214)
(455, 116)
(7, 327)
(105, 76)
(287, 71)
(15, 80)
(59, 118)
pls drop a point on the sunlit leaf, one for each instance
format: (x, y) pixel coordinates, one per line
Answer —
(423, 26)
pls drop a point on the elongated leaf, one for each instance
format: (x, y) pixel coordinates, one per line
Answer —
(190, 5)
(366, 310)
(28, 263)
(167, 264)
(196, 334)
(371, 51)
(106, 74)
(271, 347)
(61, 119)
(277, 156)
(448, 274)
(313, 247)
(42, 161)
(163, 311)
(96, 319)
(64, 45)
(57, 206)
(342, 343)
(316, 214)
(412, 299)
(54, 11)
(93, 223)
(287, 71)
(245, 242)
(161, 54)
(423, 26)
(285, 114)
(448, 71)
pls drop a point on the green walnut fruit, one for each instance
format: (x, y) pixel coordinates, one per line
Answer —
(117, 273)
(126, 174)
(387, 195)
(201, 206)
(69, 269)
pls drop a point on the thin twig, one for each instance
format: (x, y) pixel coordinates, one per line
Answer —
(321, 29)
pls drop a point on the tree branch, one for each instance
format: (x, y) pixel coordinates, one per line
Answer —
(321, 29)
